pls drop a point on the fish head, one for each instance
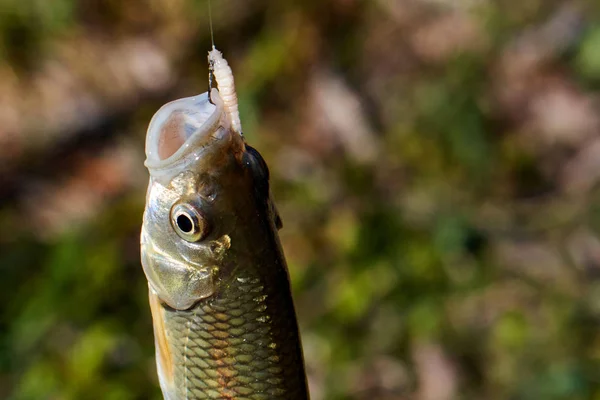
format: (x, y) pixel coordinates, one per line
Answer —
(201, 181)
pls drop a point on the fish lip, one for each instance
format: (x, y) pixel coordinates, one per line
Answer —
(194, 145)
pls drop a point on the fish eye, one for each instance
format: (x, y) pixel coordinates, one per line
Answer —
(188, 222)
(185, 223)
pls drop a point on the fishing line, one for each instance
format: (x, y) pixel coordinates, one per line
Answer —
(211, 75)
(212, 36)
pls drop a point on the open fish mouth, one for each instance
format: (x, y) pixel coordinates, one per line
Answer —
(181, 131)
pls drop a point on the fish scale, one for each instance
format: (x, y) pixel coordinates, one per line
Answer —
(235, 346)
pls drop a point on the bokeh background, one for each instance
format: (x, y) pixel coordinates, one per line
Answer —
(436, 164)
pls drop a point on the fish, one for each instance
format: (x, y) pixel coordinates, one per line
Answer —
(224, 321)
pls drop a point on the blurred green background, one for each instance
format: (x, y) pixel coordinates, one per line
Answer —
(436, 164)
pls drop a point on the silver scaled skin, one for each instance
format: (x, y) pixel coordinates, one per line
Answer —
(224, 320)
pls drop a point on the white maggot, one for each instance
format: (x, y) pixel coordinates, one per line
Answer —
(224, 78)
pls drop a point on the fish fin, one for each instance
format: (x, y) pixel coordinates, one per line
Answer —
(275, 214)
(261, 175)
(164, 360)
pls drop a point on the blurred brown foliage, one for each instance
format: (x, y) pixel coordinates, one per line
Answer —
(435, 162)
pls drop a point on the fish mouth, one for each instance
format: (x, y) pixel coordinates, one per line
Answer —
(181, 131)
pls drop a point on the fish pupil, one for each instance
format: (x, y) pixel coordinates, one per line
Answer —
(185, 223)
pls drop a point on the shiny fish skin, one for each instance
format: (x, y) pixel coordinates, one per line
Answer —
(236, 350)
(224, 320)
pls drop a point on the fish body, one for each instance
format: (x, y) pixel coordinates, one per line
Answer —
(224, 320)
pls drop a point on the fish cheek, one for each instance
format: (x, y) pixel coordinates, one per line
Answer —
(178, 285)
